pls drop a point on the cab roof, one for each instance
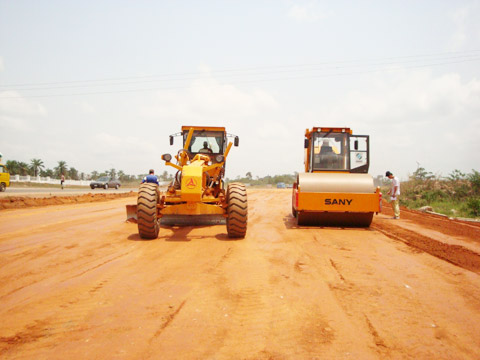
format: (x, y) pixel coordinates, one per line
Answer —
(207, 128)
(308, 132)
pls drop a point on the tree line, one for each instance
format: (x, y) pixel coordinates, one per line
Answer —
(266, 180)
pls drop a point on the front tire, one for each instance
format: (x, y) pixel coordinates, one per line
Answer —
(105, 186)
(237, 210)
(148, 221)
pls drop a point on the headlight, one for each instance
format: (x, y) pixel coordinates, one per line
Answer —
(219, 158)
(167, 157)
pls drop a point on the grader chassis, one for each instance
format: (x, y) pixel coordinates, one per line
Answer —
(197, 194)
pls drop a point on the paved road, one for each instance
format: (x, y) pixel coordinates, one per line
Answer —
(77, 282)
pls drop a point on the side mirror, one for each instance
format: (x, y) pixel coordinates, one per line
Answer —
(171, 140)
(236, 141)
(355, 144)
(305, 145)
(167, 157)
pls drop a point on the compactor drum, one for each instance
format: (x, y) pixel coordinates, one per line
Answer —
(336, 189)
(196, 195)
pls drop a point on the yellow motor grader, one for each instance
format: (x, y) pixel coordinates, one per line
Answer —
(197, 194)
(335, 189)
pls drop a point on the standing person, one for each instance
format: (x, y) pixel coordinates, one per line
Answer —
(394, 194)
(151, 178)
(62, 180)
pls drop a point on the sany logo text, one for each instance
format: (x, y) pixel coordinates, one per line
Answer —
(338, 201)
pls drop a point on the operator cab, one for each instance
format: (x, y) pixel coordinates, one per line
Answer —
(206, 142)
(210, 141)
(336, 149)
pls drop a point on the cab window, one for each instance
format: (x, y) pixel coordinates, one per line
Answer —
(330, 151)
(207, 142)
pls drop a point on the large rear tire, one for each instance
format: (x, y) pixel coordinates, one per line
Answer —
(237, 210)
(148, 222)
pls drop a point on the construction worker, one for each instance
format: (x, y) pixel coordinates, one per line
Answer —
(151, 178)
(394, 194)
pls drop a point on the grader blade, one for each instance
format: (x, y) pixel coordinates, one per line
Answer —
(132, 213)
(192, 220)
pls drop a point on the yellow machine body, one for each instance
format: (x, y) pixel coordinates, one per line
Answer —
(334, 190)
(192, 188)
(4, 177)
(200, 189)
(196, 196)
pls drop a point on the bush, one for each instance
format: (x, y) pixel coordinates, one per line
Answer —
(473, 206)
(434, 195)
(474, 179)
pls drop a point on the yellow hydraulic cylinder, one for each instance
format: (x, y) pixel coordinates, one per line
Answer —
(192, 183)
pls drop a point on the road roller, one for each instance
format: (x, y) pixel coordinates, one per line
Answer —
(335, 189)
(197, 194)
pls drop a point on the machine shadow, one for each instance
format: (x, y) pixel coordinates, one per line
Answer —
(136, 237)
(182, 234)
(291, 223)
(225, 237)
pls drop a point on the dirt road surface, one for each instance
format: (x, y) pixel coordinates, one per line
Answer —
(77, 282)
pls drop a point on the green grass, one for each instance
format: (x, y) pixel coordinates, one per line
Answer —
(444, 197)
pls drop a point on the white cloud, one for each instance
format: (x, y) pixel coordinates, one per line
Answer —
(467, 27)
(415, 116)
(108, 143)
(18, 113)
(306, 12)
(209, 100)
(87, 108)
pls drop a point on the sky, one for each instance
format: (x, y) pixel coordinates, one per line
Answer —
(101, 84)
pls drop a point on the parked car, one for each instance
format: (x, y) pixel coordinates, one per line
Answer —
(105, 182)
(281, 185)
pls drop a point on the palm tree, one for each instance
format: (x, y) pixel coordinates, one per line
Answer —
(36, 165)
(23, 168)
(12, 166)
(112, 173)
(73, 173)
(61, 168)
(94, 175)
(47, 173)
